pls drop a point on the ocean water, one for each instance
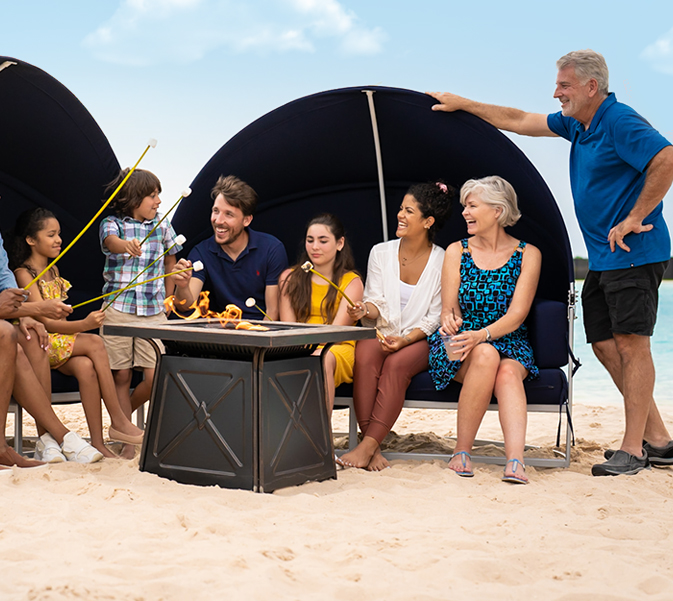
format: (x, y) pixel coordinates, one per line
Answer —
(592, 384)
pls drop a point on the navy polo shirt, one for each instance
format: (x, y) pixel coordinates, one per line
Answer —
(608, 165)
(233, 282)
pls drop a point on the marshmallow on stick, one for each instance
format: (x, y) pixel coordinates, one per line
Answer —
(178, 240)
(251, 303)
(197, 266)
(185, 193)
(151, 143)
(308, 266)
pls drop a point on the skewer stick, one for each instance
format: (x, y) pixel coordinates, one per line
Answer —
(198, 266)
(152, 143)
(251, 303)
(308, 266)
(185, 193)
(178, 240)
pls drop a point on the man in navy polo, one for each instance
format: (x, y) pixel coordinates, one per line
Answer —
(620, 170)
(239, 262)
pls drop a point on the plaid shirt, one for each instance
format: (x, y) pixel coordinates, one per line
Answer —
(120, 269)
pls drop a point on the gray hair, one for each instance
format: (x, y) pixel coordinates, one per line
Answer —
(496, 193)
(588, 65)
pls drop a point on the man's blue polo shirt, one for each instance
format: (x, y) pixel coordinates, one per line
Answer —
(232, 282)
(607, 173)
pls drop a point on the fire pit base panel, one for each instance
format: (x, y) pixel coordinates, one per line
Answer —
(200, 425)
(295, 442)
(256, 425)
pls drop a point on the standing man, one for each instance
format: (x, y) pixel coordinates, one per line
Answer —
(238, 262)
(620, 170)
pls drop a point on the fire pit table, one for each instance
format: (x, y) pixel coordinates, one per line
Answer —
(239, 408)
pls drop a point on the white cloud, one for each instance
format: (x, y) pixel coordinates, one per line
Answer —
(150, 32)
(660, 53)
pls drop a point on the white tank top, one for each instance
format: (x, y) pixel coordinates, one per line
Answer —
(406, 291)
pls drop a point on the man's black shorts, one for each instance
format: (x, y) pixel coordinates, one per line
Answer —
(621, 301)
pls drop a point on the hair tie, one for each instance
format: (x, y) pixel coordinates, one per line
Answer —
(442, 187)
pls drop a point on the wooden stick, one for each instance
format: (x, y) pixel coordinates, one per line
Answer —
(159, 277)
(181, 240)
(308, 266)
(186, 192)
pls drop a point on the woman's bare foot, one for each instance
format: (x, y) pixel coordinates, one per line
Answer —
(378, 462)
(128, 451)
(361, 455)
(104, 450)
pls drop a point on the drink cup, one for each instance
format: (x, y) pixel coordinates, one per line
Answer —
(454, 353)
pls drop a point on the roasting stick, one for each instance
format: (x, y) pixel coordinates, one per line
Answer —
(178, 240)
(185, 193)
(251, 303)
(308, 266)
(198, 266)
(151, 144)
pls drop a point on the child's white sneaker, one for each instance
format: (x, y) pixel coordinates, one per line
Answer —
(48, 450)
(75, 448)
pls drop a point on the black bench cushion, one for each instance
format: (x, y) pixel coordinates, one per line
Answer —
(548, 330)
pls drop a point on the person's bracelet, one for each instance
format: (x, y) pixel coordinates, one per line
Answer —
(366, 308)
(488, 335)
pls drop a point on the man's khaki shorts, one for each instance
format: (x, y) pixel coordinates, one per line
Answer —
(126, 352)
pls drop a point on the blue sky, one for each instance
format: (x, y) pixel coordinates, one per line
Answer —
(192, 73)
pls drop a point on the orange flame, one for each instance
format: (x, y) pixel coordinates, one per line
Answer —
(200, 308)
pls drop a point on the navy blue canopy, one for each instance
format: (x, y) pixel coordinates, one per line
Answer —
(54, 155)
(317, 154)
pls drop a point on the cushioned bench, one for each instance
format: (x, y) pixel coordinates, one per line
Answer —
(549, 328)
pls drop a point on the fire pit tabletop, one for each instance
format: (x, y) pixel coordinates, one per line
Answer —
(280, 334)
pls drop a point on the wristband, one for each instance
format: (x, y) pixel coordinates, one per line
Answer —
(488, 335)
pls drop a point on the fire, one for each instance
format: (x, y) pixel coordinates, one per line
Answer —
(200, 308)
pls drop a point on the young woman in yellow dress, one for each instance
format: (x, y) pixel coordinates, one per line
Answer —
(35, 243)
(307, 298)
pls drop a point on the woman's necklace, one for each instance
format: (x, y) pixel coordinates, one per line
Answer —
(404, 261)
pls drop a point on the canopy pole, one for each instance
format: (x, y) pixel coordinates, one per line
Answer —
(6, 64)
(379, 162)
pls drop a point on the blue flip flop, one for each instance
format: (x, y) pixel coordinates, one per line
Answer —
(513, 478)
(464, 455)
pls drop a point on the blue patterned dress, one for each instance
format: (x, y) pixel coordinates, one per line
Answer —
(484, 296)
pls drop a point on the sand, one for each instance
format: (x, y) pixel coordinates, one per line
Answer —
(413, 532)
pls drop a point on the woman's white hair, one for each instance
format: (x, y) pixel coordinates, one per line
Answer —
(588, 64)
(496, 193)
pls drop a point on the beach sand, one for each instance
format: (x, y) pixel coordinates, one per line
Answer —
(412, 532)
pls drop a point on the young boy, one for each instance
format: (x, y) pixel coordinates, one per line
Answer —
(120, 237)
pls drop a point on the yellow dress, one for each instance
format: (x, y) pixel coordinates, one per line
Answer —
(344, 352)
(60, 345)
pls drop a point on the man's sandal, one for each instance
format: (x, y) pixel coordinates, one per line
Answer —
(464, 456)
(513, 478)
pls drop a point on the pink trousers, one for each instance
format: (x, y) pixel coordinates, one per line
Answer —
(380, 381)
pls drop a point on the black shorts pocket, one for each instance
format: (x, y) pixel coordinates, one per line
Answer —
(632, 306)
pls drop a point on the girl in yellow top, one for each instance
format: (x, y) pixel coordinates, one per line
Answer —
(307, 298)
(72, 351)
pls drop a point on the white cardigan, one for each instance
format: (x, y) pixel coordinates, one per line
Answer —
(382, 289)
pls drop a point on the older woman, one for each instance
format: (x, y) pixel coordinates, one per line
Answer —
(488, 285)
(402, 297)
